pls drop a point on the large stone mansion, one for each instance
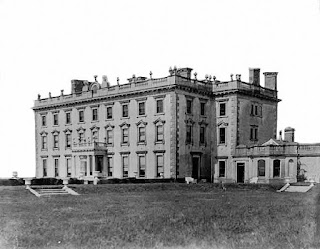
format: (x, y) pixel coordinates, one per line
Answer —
(171, 127)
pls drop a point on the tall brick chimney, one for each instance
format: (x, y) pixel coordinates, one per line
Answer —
(254, 76)
(289, 134)
(270, 80)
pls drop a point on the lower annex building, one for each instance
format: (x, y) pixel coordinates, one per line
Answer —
(170, 127)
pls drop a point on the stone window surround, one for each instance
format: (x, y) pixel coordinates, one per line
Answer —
(158, 122)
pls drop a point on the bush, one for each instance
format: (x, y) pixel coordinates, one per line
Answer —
(75, 181)
(46, 181)
(11, 182)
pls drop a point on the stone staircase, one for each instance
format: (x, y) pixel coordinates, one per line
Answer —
(47, 192)
(301, 189)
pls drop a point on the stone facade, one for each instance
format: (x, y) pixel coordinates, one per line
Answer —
(170, 127)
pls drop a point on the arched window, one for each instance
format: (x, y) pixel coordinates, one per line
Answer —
(261, 168)
(276, 168)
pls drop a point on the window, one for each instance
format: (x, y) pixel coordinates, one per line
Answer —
(276, 168)
(55, 119)
(81, 137)
(94, 114)
(222, 135)
(109, 137)
(68, 164)
(125, 111)
(202, 108)
(141, 106)
(125, 135)
(95, 135)
(44, 120)
(43, 142)
(256, 110)
(141, 134)
(125, 166)
(160, 165)
(142, 165)
(189, 134)
(222, 168)
(261, 168)
(55, 141)
(110, 165)
(56, 167)
(222, 109)
(81, 116)
(68, 140)
(189, 106)
(202, 134)
(254, 133)
(44, 167)
(68, 118)
(109, 112)
(159, 133)
(159, 106)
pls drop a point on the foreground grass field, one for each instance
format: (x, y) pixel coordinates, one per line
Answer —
(159, 216)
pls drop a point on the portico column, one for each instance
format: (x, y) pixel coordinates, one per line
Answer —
(88, 165)
(94, 166)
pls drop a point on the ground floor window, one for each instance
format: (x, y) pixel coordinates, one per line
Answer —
(44, 166)
(222, 168)
(142, 165)
(68, 164)
(110, 165)
(56, 167)
(125, 166)
(276, 168)
(160, 165)
(261, 168)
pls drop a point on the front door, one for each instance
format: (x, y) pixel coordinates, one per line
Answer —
(195, 167)
(240, 172)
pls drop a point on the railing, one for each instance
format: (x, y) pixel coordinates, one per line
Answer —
(89, 144)
(295, 149)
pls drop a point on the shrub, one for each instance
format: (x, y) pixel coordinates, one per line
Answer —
(11, 182)
(46, 181)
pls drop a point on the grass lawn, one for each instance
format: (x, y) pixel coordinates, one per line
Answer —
(165, 215)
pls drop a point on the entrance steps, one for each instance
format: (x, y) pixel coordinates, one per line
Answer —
(47, 192)
(296, 188)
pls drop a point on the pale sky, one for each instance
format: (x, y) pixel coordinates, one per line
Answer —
(45, 44)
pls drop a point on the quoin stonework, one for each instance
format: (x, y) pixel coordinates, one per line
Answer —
(172, 127)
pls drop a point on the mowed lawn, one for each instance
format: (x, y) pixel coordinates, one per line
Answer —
(169, 215)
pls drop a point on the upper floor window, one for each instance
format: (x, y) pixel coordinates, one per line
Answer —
(125, 135)
(68, 117)
(125, 110)
(109, 112)
(109, 137)
(189, 134)
(142, 134)
(94, 114)
(55, 141)
(68, 140)
(142, 109)
(254, 133)
(202, 108)
(159, 125)
(55, 119)
(256, 110)
(43, 120)
(222, 135)
(202, 134)
(81, 116)
(44, 141)
(159, 104)
(222, 109)
(189, 106)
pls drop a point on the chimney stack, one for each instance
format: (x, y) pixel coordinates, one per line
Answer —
(270, 80)
(254, 76)
(289, 134)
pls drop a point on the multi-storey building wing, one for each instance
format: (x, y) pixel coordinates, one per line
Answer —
(169, 127)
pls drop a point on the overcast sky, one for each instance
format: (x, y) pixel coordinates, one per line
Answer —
(45, 44)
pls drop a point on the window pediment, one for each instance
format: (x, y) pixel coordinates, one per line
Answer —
(142, 123)
(43, 133)
(189, 121)
(159, 121)
(81, 130)
(109, 126)
(94, 128)
(124, 124)
(203, 123)
(222, 123)
(55, 132)
(67, 131)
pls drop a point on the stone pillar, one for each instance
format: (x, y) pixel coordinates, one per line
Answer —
(94, 166)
